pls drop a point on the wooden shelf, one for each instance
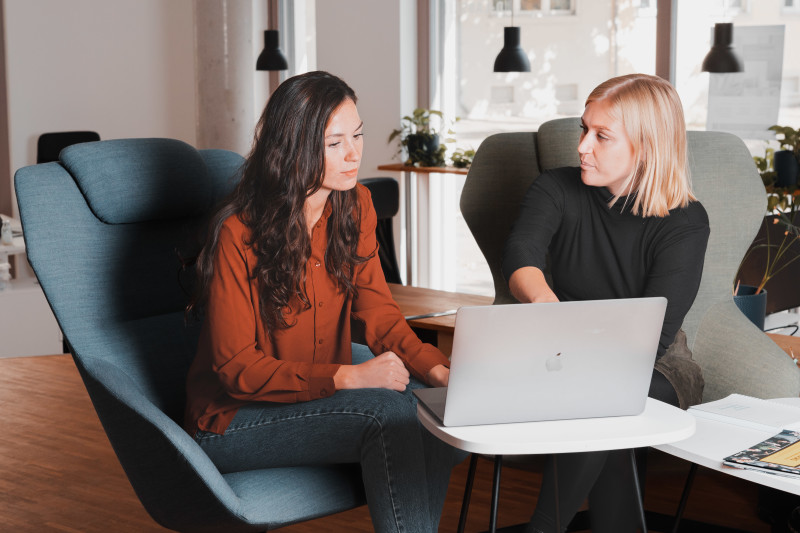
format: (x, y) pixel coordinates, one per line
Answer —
(400, 167)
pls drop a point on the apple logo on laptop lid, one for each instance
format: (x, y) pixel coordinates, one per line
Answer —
(554, 363)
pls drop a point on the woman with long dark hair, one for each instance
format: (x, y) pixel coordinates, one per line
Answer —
(290, 260)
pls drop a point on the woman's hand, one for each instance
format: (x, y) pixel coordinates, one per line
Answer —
(385, 371)
(438, 376)
(528, 285)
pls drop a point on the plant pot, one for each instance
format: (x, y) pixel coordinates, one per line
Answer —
(752, 305)
(423, 148)
(786, 168)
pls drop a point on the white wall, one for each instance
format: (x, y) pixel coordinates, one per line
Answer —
(123, 68)
(126, 68)
(371, 45)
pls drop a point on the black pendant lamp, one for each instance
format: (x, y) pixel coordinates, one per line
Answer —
(721, 57)
(271, 57)
(512, 58)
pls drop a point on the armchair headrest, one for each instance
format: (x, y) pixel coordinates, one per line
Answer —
(138, 180)
(557, 143)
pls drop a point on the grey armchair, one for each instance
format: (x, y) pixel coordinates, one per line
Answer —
(734, 354)
(105, 230)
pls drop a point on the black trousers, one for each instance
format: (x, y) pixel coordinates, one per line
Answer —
(605, 478)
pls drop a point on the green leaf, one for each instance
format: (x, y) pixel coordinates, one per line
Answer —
(772, 201)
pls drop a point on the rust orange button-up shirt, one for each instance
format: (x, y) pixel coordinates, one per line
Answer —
(239, 361)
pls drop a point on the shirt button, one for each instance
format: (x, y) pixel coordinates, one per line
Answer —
(319, 341)
(323, 392)
(320, 304)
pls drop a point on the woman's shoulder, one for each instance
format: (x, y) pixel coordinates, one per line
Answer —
(696, 210)
(693, 214)
(682, 222)
(566, 179)
(234, 223)
(365, 202)
(364, 196)
(234, 229)
(562, 175)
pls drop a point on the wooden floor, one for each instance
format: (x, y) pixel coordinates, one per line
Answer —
(58, 472)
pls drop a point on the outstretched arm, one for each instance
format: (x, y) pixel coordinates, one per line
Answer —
(525, 254)
(528, 285)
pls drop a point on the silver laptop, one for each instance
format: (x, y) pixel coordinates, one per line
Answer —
(549, 361)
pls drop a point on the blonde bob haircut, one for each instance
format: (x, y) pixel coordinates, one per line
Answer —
(652, 116)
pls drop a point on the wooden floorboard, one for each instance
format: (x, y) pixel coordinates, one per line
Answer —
(58, 472)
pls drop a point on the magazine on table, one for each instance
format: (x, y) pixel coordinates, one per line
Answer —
(779, 454)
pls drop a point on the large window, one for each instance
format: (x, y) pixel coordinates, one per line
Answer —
(535, 7)
(791, 6)
(573, 45)
(695, 21)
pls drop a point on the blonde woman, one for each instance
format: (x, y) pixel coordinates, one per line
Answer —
(624, 224)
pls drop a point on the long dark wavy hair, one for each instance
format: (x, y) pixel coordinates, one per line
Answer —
(285, 167)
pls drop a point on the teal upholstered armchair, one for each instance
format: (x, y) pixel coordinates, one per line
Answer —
(105, 229)
(734, 354)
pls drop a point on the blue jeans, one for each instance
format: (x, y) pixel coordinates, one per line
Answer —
(405, 469)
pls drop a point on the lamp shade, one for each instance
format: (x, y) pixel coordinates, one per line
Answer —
(271, 57)
(721, 57)
(512, 57)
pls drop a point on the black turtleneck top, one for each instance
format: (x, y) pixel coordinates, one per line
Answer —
(598, 252)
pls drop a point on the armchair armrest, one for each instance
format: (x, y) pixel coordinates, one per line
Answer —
(738, 357)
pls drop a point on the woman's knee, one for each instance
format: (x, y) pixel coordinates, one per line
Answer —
(393, 406)
(661, 389)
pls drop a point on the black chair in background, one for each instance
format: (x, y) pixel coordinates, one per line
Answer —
(51, 144)
(386, 199)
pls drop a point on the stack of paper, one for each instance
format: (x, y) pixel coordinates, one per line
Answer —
(767, 415)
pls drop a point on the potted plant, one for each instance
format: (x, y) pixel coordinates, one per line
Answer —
(420, 139)
(786, 161)
(776, 247)
(766, 167)
(462, 158)
(783, 205)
